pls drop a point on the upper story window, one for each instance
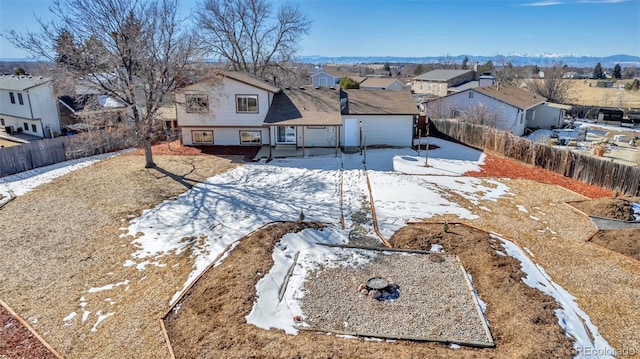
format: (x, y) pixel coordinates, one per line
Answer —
(247, 103)
(20, 101)
(470, 94)
(12, 97)
(197, 103)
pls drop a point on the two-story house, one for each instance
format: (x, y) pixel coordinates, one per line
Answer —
(437, 82)
(236, 108)
(28, 105)
(227, 110)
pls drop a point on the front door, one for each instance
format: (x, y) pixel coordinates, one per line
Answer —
(287, 134)
(350, 132)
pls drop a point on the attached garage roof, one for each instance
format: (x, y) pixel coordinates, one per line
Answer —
(305, 107)
(379, 102)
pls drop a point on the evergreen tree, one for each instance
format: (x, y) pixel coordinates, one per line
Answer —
(597, 72)
(617, 72)
(349, 83)
(535, 70)
(465, 62)
(419, 70)
(487, 68)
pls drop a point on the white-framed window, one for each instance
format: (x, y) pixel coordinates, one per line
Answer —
(430, 87)
(197, 103)
(455, 114)
(439, 86)
(421, 84)
(34, 128)
(250, 138)
(25, 126)
(20, 100)
(12, 97)
(202, 137)
(247, 103)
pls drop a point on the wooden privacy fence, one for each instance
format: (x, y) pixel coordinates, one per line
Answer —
(46, 152)
(592, 170)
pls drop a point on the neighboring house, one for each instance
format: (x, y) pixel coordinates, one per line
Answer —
(508, 108)
(324, 79)
(227, 110)
(438, 82)
(28, 105)
(305, 117)
(384, 118)
(381, 83)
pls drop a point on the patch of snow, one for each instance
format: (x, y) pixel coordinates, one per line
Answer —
(69, 318)
(101, 318)
(485, 208)
(528, 251)
(522, 208)
(85, 315)
(636, 211)
(108, 287)
(436, 248)
(500, 253)
(534, 218)
(267, 311)
(454, 346)
(571, 318)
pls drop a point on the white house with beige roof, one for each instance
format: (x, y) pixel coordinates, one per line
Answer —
(508, 108)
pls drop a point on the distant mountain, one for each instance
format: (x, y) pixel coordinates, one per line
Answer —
(515, 59)
(541, 60)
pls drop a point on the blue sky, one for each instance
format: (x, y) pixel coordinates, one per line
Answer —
(432, 27)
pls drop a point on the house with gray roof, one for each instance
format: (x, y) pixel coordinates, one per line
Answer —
(239, 109)
(381, 83)
(437, 82)
(508, 108)
(28, 105)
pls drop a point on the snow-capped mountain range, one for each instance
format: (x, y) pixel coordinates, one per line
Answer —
(543, 59)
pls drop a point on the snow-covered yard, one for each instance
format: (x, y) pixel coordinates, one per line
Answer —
(211, 216)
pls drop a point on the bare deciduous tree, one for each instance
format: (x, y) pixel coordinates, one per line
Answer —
(131, 51)
(552, 86)
(250, 35)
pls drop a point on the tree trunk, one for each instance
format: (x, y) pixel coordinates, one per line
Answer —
(148, 156)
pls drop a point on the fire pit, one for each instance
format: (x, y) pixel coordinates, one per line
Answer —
(380, 288)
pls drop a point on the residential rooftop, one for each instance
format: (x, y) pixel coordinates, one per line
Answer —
(21, 83)
(441, 75)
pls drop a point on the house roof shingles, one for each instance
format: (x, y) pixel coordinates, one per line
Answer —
(441, 75)
(512, 95)
(306, 107)
(381, 102)
(378, 82)
(251, 80)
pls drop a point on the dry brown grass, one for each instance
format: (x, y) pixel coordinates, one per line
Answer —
(63, 238)
(586, 95)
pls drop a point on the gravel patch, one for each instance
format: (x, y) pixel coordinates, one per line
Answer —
(435, 301)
